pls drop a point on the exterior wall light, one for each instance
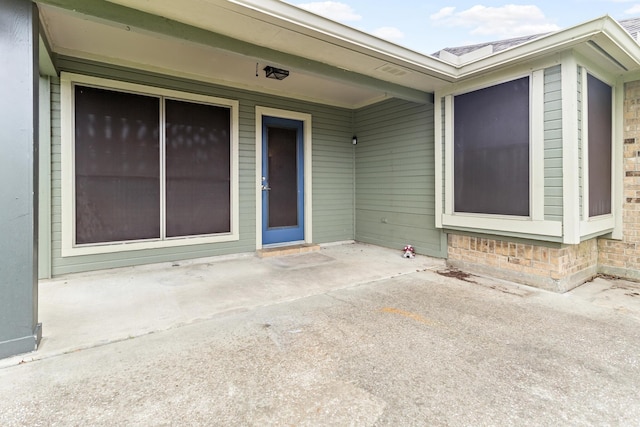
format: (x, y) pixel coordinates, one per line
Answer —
(354, 140)
(275, 73)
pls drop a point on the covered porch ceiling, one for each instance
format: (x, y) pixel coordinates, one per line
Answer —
(229, 42)
(226, 43)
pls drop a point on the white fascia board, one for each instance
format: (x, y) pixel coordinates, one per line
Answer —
(280, 16)
(45, 63)
(556, 42)
(295, 18)
(621, 37)
(339, 36)
(365, 43)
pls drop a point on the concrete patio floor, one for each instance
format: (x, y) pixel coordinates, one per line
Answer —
(348, 335)
(85, 310)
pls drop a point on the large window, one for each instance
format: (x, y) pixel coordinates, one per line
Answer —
(533, 157)
(150, 167)
(117, 166)
(197, 169)
(491, 150)
(599, 146)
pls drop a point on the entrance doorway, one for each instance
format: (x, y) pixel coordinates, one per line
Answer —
(282, 180)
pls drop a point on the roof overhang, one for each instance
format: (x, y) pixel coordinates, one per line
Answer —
(601, 39)
(224, 42)
(229, 42)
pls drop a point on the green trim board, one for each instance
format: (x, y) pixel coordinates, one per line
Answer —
(553, 144)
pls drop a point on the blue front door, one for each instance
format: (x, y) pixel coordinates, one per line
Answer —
(282, 181)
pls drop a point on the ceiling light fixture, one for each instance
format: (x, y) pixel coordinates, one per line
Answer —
(275, 73)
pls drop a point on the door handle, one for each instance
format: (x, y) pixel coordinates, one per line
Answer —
(265, 184)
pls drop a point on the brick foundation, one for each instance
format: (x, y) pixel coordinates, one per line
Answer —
(622, 258)
(557, 269)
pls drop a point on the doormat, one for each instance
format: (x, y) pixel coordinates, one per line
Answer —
(300, 260)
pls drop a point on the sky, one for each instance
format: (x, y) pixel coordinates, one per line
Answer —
(428, 26)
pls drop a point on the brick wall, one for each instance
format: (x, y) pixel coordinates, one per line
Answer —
(622, 258)
(555, 268)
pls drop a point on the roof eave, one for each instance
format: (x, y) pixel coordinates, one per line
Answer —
(337, 33)
(603, 31)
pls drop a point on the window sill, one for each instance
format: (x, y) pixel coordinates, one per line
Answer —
(68, 250)
(597, 225)
(497, 224)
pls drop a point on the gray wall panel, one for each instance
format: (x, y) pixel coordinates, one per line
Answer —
(19, 88)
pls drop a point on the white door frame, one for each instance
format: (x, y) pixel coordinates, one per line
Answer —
(306, 121)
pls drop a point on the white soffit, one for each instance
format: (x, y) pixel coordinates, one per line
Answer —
(594, 39)
(280, 26)
(74, 35)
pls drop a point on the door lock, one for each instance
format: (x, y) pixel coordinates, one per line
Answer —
(265, 184)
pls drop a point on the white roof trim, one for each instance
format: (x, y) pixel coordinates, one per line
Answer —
(605, 31)
(604, 27)
(467, 57)
(464, 66)
(318, 24)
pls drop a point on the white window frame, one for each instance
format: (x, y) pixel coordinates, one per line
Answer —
(602, 223)
(69, 247)
(534, 224)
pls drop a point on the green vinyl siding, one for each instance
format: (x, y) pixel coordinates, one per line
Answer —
(56, 197)
(332, 167)
(395, 177)
(553, 144)
(333, 180)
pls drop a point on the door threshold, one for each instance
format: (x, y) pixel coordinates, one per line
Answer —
(286, 249)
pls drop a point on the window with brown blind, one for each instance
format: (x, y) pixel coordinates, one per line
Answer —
(491, 150)
(135, 182)
(599, 143)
